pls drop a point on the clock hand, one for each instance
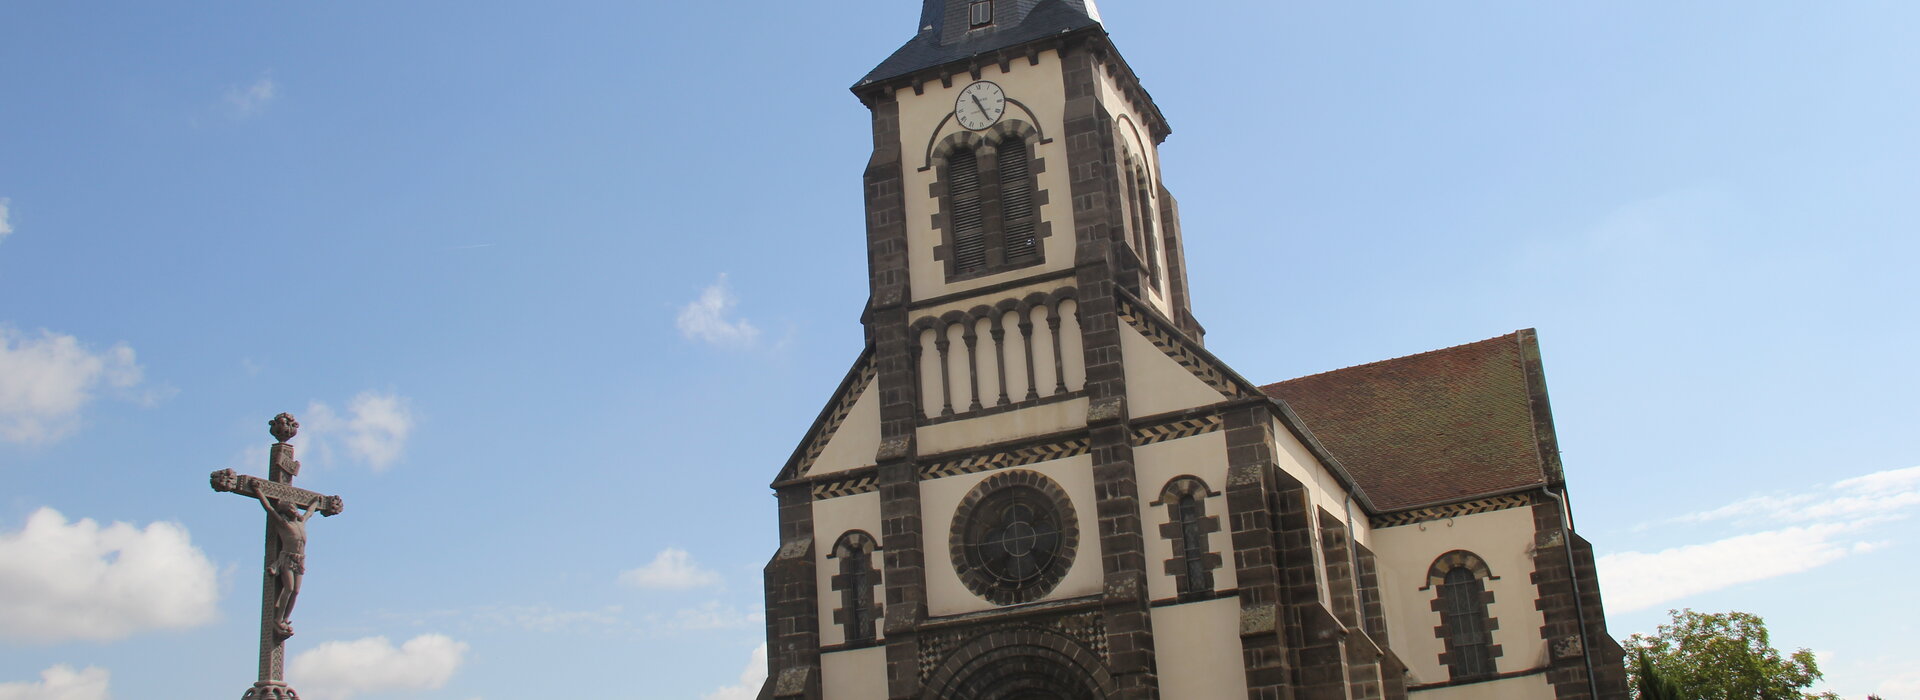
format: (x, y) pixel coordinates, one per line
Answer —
(976, 103)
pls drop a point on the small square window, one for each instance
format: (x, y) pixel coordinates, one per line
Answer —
(980, 14)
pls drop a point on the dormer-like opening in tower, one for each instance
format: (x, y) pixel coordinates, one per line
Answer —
(980, 14)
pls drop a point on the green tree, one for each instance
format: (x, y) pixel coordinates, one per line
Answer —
(1650, 684)
(1721, 656)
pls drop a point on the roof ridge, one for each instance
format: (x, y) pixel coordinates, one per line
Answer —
(1514, 335)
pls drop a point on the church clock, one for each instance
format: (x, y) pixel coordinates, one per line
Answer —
(980, 105)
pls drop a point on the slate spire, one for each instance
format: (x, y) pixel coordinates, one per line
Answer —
(948, 30)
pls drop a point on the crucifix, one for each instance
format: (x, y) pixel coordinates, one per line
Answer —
(288, 510)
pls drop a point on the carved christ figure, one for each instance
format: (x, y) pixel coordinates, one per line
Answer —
(289, 527)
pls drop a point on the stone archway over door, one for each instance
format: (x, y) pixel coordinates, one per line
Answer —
(1021, 664)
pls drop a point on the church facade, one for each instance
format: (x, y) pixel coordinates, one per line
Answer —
(1035, 481)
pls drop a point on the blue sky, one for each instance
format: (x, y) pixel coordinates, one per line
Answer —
(556, 289)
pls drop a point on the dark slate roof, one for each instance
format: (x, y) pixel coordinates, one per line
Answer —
(1441, 426)
(944, 36)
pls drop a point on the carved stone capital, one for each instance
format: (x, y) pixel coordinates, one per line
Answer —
(1107, 410)
(894, 448)
(1257, 620)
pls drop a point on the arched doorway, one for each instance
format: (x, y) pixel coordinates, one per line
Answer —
(1022, 663)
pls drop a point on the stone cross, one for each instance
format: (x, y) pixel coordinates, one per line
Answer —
(288, 510)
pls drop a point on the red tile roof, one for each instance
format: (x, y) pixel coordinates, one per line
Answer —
(1440, 426)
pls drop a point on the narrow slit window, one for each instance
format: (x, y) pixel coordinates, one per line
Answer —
(856, 582)
(1194, 539)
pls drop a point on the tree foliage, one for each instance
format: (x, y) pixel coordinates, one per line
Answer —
(1719, 656)
(1651, 684)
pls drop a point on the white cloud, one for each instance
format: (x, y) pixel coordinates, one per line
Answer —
(46, 380)
(6, 224)
(1827, 526)
(1637, 580)
(1904, 685)
(374, 431)
(252, 99)
(61, 683)
(751, 679)
(670, 569)
(705, 319)
(62, 581)
(339, 670)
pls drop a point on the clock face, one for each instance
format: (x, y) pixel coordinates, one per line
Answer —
(980, 105)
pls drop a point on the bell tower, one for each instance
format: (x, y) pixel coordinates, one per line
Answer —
(966, 518)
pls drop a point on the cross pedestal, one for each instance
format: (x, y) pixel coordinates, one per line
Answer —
(286, 550)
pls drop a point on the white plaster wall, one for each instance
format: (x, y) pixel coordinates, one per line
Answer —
(1001, 427)
(857, 440)
(1073, 357)
(1016, 354)
(857, 674)
(832, 518)
(1157, 383)
(1042, 89)
(960, 382)
(1502, 538)
(1203, 456)
(930, 397)
(946, 595)
(1044, 375)
(1196, 648)
(1534, 687)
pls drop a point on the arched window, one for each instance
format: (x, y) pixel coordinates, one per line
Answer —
(1139, 199)
(989, 201)
(1461, 597)
(1187, 527)
(856, 582)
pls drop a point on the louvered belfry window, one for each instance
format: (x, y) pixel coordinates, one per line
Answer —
(1468, 641)
(969, 216)
(1016, 203)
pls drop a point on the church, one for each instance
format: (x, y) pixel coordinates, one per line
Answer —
(1036, 482)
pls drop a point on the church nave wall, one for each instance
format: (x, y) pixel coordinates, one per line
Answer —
(1197, 650)
(854, 674)
(1156, 466)
(1503, 540)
